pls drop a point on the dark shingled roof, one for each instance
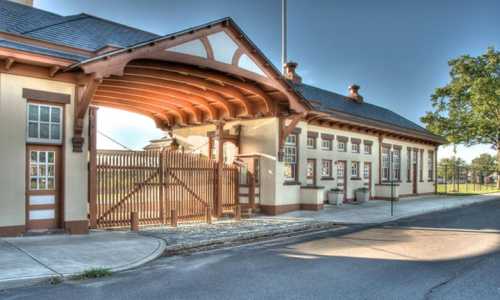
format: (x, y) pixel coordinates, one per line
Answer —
(80, 31)
(323, 100)
(41, 50)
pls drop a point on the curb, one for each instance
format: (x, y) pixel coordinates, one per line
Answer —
(57, 277)
(226, 242)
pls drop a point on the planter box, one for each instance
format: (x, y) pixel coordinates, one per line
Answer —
(335, 197)
(362, 196)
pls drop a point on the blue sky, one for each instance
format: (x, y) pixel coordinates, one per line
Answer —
(397, 51)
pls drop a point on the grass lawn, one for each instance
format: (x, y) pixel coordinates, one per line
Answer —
(467, 189)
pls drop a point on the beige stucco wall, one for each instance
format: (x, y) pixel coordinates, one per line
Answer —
(258, 137)
(13, 150)
(424, 186)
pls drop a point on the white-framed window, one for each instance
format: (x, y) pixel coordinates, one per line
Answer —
(341, 146)
(42, 170)
(311, 143)
(355, 148)
(290, 157)
(366, 170)
(44, 123)
(340, 169)
(430, 165)
(326, 168)
(355, 169)
(326, 144)
(385, 163)
(367, 148)
(310, 171)
(396, 164)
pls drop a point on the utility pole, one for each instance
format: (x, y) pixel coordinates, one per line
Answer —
(283, 34)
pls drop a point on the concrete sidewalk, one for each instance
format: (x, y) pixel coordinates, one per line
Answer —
(379, 211)
(27, 260)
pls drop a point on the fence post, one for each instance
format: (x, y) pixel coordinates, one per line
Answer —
(173, 218)
(446, 179)
(209, 215)
(134, 221)
(251, 190)
(237, 213)
(161, 191)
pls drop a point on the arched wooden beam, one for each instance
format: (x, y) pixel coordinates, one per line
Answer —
(158, 83)
(210, 75)
(227, 91)
(100, 101)
(159, 99)
(180, 97)
(145, 102)
(208, 47)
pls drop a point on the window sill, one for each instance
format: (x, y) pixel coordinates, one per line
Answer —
(327, 178)
(355, 178)
(291, 183)
(312, 187)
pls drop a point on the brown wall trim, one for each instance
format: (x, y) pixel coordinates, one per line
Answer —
(312, 134)
(326, 136)
(77, 227)
(273, 210)
(46, 96)
(342, 139)
(281, 209)
(12, 230)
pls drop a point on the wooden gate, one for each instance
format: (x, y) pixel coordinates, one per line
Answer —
(159, 186)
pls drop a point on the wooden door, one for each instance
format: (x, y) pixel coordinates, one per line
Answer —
(342, 177)
(43, 207)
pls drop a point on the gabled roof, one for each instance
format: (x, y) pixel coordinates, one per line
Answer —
(329, 102)
(81, 31)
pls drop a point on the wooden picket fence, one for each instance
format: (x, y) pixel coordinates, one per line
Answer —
(160, 186)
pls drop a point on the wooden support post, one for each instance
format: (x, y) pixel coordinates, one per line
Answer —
(161, 163)
(209, 215)
(173, 218)
(237, 212)
(134, 221)
(93, 167)
(220, 167)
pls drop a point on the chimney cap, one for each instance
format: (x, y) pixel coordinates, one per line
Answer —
(354, 94)
(290, 72)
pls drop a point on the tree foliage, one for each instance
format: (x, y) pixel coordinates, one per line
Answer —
(467, 109)
(484, 163)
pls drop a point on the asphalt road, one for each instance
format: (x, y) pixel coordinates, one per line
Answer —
(447, 255)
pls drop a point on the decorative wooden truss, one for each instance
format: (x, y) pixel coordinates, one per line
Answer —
(187, 79)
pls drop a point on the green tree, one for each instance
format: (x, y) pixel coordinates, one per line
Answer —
(467, 109)
(484, 165)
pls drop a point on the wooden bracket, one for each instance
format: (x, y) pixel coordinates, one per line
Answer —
(9, 62)
(285, 130)
(84, 95)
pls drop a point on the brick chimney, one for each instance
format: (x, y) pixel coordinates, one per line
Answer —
(354, 93)
(290, 73)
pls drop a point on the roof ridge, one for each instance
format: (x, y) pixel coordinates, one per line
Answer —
(116, 23)
(65, 20)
